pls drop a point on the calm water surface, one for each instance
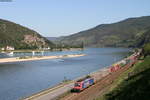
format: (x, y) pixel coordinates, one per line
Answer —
(21, 79)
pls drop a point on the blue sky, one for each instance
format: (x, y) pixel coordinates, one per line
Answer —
(64, 17)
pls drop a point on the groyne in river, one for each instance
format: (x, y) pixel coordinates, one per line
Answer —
(30, 58)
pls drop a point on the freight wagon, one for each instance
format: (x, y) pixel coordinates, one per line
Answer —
(82, 84)
(114, 68)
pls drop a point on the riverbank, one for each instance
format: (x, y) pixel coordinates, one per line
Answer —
(33, 58)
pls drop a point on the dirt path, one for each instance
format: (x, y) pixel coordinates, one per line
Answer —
(96, 90)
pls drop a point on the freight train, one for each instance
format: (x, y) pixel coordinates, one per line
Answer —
(88, 81)
(83, 84)
(130, 61)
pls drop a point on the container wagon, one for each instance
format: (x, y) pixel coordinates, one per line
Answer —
(114, 68)
(82, 84)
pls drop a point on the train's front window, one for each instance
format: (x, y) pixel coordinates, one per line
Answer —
(77, 85)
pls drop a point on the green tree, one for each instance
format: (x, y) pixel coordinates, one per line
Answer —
(146, 49)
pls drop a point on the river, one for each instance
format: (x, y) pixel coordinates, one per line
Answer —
(21, 79)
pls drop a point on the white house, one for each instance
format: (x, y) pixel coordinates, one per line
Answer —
(10, 48)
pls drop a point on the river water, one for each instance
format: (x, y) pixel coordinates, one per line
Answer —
(21, 79)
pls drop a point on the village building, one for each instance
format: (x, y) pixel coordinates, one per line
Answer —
(46, 48)
(10, 48)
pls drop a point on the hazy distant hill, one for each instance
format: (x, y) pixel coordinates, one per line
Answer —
(121, 34)
(51, 38)
(20, 37)
(55, 39)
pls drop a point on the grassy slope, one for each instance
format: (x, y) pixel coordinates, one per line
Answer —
(136, 87)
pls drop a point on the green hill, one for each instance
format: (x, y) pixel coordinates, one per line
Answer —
(20, 37)
(121, 34)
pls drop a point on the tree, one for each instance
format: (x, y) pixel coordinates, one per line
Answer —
(82, 45)
(146, 49)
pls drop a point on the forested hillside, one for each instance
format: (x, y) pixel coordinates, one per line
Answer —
(125, 33)
(15, 35)
(144, 39)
